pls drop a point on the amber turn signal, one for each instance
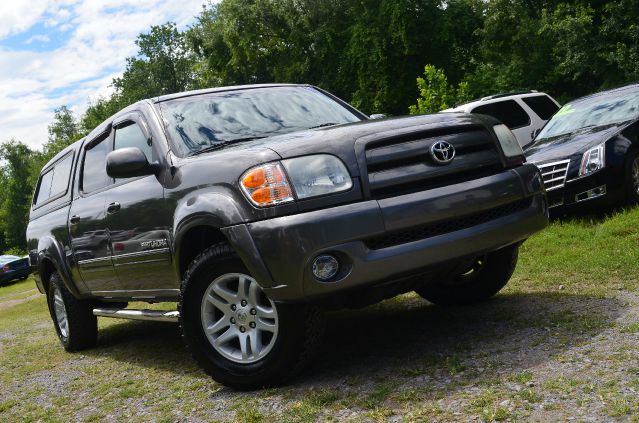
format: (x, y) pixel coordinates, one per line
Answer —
(254, 178)
(266, 185)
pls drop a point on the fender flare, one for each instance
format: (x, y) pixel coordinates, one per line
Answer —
(49, 249)
(220, 212)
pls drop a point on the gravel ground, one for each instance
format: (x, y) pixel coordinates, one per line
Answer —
(543, 357)
(558, 344)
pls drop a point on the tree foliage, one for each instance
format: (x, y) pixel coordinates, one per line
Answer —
(368, 52)
(436, 94)
(15, 184)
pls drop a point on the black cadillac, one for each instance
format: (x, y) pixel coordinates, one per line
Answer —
(589, 151)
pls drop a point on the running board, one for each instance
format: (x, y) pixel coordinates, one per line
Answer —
(152, 315)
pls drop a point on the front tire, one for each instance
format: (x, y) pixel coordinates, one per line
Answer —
(74, 322)
(482, 280)
(632, 178)
(238, 335)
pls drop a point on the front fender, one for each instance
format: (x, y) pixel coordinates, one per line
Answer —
(199, 208)
(219, 211)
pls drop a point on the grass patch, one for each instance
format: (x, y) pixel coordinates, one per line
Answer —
(435, 363)
(9, 291)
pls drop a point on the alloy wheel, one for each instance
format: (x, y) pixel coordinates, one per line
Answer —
(60, 313)
(239, 321)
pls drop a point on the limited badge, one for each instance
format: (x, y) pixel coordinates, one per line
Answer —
(153, 244)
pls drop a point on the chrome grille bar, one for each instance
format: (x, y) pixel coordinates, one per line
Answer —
(554, 174)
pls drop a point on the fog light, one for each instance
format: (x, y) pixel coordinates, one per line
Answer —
(325, 267)
(590, 194)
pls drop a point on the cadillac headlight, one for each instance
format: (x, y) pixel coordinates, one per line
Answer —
(509, 144)
(593, 160)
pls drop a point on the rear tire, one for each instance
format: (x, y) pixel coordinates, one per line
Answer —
(485, 278)
(74, 322)
(250, 342)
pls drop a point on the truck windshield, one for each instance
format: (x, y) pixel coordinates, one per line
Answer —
(595, 111)
(201, 122)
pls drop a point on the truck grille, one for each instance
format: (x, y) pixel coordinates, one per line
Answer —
(402, 164)
(554, 174)
(446, 226)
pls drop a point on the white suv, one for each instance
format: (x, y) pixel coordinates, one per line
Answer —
(525, 113)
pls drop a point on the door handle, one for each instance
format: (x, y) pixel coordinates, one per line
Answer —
(113, 207)
(74, 219)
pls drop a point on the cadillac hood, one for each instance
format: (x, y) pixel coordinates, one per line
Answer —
(572, 144)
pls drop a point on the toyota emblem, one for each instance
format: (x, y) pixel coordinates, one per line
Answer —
(442, 152)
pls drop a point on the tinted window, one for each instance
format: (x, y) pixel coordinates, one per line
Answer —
(61, 174)
(45, 187)
(509, 112)
(131, 135)
(94, 174)
(542, 105)
(198, 122)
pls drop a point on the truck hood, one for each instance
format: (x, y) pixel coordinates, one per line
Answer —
(340, 140)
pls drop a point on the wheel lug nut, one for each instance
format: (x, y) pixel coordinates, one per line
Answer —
(244, 303)
(233, 307)
(252, 325)
(242, 329)
(233, 320)
(253, 311)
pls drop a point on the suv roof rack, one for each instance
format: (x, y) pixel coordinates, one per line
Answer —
(491, 97)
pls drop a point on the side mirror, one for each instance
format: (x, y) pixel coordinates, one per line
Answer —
(377, 116)
(128, 163)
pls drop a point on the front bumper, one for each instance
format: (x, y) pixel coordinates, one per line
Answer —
(379, 241)
(595, 188)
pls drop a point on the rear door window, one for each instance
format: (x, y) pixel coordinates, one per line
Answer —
(94, 174)
(44, 188)
(55, 181)
(509, 112)
(61, 174)
(542, 105)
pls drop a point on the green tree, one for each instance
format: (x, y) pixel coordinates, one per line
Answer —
(16, 192)
(164, 65)
(436, 94)
(63, 131)
(99, 111)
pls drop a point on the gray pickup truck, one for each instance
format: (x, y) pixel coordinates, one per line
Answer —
(255, 208)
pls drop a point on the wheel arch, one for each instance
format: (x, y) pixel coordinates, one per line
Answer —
(200, 232)
(50, 260)
(194, 238)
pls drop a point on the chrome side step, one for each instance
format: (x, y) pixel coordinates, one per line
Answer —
(152, 315)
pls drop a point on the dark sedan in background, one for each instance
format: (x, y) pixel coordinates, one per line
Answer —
(588, 152)
(13, 267)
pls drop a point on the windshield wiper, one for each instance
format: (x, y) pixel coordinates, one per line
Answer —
(224, 144)
(324, 125)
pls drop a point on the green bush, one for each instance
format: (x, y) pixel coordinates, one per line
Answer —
(435, 94)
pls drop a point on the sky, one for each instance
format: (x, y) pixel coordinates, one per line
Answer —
(67, 52)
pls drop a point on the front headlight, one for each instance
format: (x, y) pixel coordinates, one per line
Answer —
(593, 160)
(317, 175)
(509, 144)
(310, 176)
